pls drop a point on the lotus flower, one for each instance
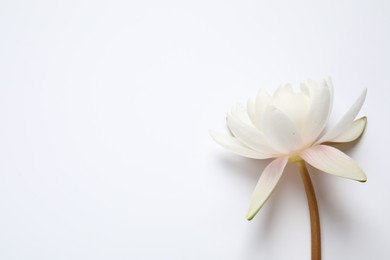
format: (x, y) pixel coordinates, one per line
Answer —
(289, 127)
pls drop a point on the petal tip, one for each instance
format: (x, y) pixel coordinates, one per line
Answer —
(364, 119)
(364, 94)
(363, 178)
(250, 214)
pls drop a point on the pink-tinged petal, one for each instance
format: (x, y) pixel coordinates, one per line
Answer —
(345, 121)
(234, 146)
(352, 132)
(249, 135)
(320, 107)
(280, 131)
(333, 161)
(266, 185)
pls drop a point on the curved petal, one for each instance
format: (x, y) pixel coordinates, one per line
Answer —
(282, 90)
(333, 161)
(263, 99)
(295, 105)
(239, 112)
(330, 86)
(281, 132)
(250, 107)
(266, 185)
(353, 132)
(248, 135)
(345, 121)
(234, 146)
(320, 107)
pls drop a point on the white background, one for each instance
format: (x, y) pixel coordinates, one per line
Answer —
(105, 109)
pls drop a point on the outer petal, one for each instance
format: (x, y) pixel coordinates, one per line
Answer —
(239, 112)
(353, 132)
(333, 161)
(280, 131)
(266, 185)
(320, 107)
(231, 143)
(345, 121)
(330, 85)
(248, 135)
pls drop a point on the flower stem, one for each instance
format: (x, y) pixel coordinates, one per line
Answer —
(313, 208)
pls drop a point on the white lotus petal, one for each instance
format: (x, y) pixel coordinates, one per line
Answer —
(262, 101)
(280, 131)
(239, 112)
(320, 107)
(330, 86)
(305, 89)
(333, 161)
(345, 121)
(293, 104)
(250, 107)
(248, 135)
(352, 132)
(282, 90)
(266, 185)
(231, 143)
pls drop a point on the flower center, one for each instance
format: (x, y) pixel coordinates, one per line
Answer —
(294, 159)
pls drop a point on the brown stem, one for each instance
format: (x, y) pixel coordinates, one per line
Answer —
(314, 215)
